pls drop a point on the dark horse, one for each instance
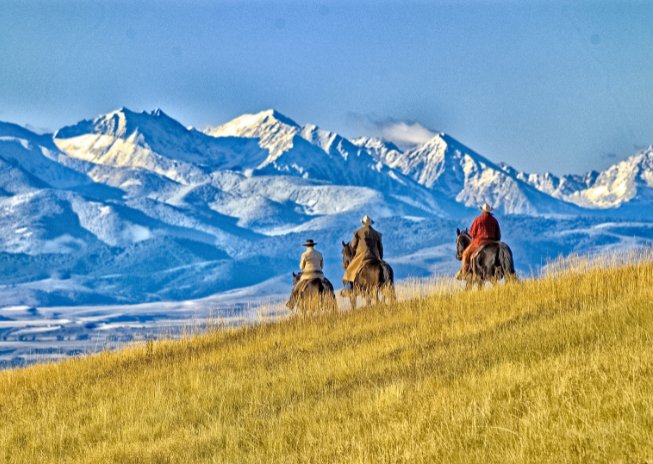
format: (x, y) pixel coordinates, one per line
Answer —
(313, 294)
(492, 263)
(374, 277)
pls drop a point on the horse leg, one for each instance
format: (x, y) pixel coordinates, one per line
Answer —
(373, 295)
(469, 282)
(333, 304)
(385, 293)
(353, 295)
(391, 292)
(497, 276)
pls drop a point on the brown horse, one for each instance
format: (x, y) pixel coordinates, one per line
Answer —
(375, 277)
(313, 295)
(492, 263)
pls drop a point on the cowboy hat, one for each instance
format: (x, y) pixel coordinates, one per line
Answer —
(487, 208)
(367, 220)
(309, 243)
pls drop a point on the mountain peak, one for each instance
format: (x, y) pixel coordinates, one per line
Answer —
(158, 112)
(439, 138)
(274, 114)
(265, 117)
(255, 125)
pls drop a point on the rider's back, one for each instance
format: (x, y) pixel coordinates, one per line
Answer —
(485, 228)
(311, 264)
(367, 242)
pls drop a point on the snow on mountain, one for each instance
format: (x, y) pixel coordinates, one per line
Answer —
(274, 204)
(39, 222)
(132, 207)
(30, 160)
(453, 170)
(155, 142)
(382, 150)
(627, 181)
(556, 186)
(624, 186)
(274, 131)
(14, 179)
(310, 152)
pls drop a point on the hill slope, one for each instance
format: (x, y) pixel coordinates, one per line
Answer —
(555, 370)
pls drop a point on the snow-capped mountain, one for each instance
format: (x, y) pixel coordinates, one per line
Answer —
(29, 161)
(453, 170)
(132, 207)
(312, 153)
(309, 151)
(629, 181)
(556, 186)
(382, 150)
(623, 186)
(157, 143)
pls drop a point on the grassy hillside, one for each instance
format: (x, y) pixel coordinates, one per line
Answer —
(555, 370)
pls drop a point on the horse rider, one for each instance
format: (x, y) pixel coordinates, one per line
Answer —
(367, 244)
(311, 264)
(485, 228)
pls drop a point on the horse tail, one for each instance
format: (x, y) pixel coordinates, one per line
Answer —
(389, 284)
(507, 263)
(388, 274)
(381, 273)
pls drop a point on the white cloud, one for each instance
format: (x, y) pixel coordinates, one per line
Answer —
(406, 133)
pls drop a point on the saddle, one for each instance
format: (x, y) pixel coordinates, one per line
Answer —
(373, 260)
(302, 284)
(481, 246)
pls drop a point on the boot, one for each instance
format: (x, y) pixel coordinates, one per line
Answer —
(461, 275)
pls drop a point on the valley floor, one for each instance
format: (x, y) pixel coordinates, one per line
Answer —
(558, 369)
(32, 335)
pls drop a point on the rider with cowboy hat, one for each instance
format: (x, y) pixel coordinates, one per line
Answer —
(367, 243)
(485, 228)
(311, 264)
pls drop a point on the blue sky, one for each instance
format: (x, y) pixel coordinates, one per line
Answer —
(558, 86)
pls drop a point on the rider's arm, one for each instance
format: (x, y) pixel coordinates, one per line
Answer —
(473, 230)
(302, 262)
(353, 245)
(498, 232)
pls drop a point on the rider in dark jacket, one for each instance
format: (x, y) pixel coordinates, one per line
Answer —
(367, 243)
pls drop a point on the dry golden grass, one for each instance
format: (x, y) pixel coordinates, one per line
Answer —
(552, 370)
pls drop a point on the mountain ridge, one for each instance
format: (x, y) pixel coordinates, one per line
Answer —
(197, 212)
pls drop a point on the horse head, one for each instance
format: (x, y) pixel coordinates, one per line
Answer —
(463, 239)
(295, 277)
(347, 255)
